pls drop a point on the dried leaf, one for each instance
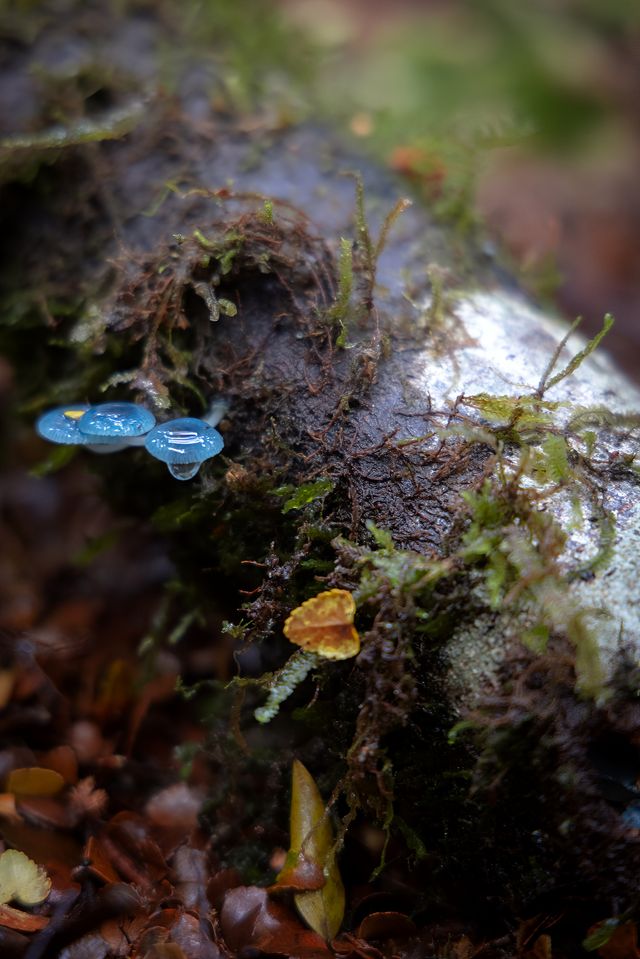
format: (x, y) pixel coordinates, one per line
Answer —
(43, 845)
(324, 625)
(176, 807)
(191, 867)
(91, 946)
(64, 761)
(250, 920)
(7, 682)
(34, 781)
(312, 838)
(22, 879)
(12, 918)
(194, 935)
(299, 873)
(165, 950)
(386, 925)
(135, 855)
(45, 812)
(98, 862)
(8, 807)
(463, 948)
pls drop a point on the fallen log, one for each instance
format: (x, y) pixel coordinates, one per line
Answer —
(401, 424)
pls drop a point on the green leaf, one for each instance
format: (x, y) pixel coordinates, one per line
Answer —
(601, 935)
(312, 838)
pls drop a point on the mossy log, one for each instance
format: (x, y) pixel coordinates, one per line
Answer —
(472, 486)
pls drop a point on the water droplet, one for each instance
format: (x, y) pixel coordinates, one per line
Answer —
(183, 471)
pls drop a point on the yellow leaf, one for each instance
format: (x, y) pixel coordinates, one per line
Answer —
(34, 781)
(312, 838)
(324, 625)
(22, 879)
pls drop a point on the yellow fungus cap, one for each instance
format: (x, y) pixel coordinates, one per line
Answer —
(74, 414)
(324, 625)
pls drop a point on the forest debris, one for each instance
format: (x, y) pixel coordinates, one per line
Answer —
(175, 807)
(44, 846)
(7, 682)
(157, 690)
(165, 950)
(92, 946)
(249, 919)
(134, 854)
(21, 921)
(45, 812)
(386, 925)
(192, 868)
(192, 934)
(62, 760)
(87, 741)
(85, 800)
(98, 861)
(8, 807)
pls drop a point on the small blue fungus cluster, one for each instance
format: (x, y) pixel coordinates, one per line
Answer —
(183, 444)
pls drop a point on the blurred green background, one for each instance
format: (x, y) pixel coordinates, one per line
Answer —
(524, 117)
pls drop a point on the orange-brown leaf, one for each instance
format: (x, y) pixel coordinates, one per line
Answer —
(324, 625)
(98, 861)
(21, 921)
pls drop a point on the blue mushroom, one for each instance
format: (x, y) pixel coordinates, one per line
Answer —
(115, 423)
(184, 444)
(61, 425)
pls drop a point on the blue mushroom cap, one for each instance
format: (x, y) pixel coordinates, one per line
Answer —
(61, 425)
(112, 422)
(186, 440)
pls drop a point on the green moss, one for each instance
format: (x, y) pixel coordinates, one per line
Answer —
(20, 155)
(305, 494)
(282, 684)
(550, 378)
(507, 550)
(339, 312)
